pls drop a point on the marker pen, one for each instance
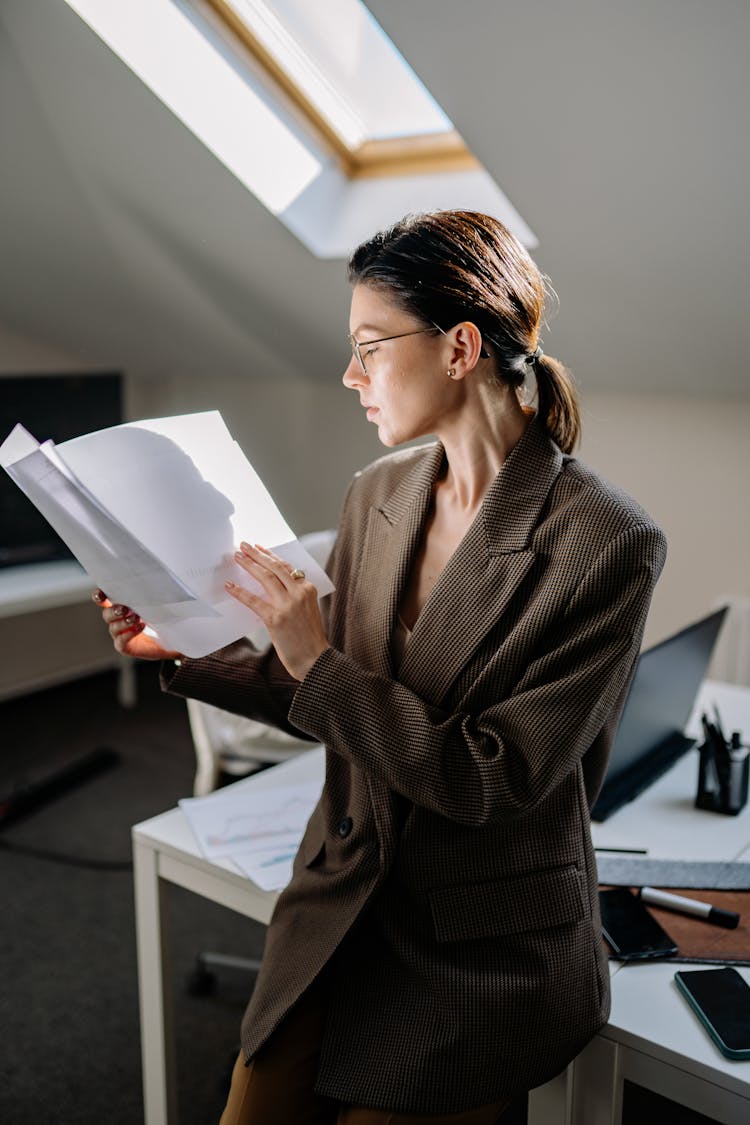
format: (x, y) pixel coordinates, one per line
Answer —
(726, 918)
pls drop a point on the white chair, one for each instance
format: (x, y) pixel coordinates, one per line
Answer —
(230, 745)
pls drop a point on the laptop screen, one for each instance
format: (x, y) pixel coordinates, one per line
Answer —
(663, 691)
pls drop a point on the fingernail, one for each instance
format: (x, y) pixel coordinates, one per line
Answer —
(118, 611)
(229, 585)
(131, 619)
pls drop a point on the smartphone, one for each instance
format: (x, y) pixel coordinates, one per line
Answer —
(631, 931)
(721, 1000)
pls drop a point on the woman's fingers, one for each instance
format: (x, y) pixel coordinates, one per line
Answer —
(279, 567)
(268, 571)
(114, 613)
(269, 564)
(254, 565)
(125, 629)
(123, 623)
(288, 607)
(122, 638)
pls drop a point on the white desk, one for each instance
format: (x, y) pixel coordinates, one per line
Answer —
(44, 585)
(652, 1037)
(50, 600)
(165, 851)
(655, 1041)
(47, 600)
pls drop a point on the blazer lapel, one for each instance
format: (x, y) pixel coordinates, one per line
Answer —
(393, 533)
(485, 571)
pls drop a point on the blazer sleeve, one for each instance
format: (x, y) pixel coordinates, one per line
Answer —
(240, 679)
(496, 764)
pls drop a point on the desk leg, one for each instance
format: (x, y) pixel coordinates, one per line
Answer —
(154, 991)
(127, 683)
(597, 1084)
(589, 1092)
(550, 1104)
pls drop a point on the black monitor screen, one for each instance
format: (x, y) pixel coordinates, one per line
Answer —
(663, 691)
(49, 406)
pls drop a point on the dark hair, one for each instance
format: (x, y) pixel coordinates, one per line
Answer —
(447, 266)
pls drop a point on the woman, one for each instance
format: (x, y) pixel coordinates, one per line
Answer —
(438, 949)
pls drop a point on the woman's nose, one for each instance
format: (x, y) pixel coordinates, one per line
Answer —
(353, 376)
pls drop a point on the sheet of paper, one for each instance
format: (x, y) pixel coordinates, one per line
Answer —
(268, 868)
(111, 555)
(183, 487)
(260, 832)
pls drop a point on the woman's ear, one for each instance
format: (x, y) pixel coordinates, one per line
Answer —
(465, 342)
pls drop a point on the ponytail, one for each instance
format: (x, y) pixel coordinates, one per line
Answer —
(557, 402)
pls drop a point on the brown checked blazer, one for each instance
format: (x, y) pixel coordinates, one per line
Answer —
(449, 865)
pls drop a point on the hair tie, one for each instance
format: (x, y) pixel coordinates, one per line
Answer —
(532, 357)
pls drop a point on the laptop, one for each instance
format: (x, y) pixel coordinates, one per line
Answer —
(650, 736)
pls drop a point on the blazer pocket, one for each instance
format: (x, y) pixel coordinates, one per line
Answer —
(536, 901)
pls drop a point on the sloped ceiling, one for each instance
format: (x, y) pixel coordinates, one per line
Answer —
(618, 131)
(122, 237)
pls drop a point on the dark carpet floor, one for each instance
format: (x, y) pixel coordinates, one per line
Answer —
(69, 1036)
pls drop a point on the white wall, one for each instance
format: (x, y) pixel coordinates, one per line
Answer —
(25, 355)
(687, 460)
(21, 355)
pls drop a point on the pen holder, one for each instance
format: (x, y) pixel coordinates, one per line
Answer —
(723, 785)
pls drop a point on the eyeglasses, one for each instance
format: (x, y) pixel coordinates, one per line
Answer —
(357, 347)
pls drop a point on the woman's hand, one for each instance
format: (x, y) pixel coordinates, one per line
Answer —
(126, 630)
(289, 611)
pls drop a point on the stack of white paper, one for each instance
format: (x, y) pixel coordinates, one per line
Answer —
(259, 831)
(154, 511)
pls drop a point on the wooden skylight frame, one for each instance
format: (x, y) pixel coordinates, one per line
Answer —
(427, 153)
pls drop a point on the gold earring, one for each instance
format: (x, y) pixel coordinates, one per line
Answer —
(451, 373)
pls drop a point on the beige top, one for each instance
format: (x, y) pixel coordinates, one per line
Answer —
(401, 637)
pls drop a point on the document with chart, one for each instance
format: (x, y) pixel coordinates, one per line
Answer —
(153, 511)
(260, 832)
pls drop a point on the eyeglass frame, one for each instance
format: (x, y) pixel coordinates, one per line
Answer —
(357, 346)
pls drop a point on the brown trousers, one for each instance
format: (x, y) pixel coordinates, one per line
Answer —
(277, 1088)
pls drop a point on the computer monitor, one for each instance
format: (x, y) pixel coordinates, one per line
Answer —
(49, 406)
(650, 736)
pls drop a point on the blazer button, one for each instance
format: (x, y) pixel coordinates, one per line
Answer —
(345, 827)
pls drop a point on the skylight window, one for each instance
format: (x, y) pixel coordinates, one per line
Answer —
(306, 103)
(160, 44)
(343, 62)
(343, 71)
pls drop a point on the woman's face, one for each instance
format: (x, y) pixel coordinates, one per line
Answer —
(405, 389)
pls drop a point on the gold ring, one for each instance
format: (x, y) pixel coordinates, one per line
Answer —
(296, 573)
